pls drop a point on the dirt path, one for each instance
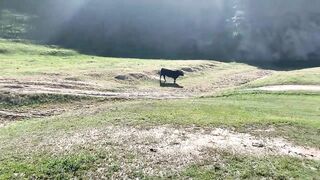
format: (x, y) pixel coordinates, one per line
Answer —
(9, 114)
(80, 89)
(314, 88)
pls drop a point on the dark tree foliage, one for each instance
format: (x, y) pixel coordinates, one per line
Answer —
(275, 31)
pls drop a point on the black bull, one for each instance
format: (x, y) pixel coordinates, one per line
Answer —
(172, 74)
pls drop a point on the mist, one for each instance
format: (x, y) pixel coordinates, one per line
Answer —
(286, 30)
(261, 32)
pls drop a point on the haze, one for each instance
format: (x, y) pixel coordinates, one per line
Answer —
(262, 32)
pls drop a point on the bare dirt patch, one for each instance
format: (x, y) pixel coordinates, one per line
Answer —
(52, 74)
(315, 88)
(133, 77)
(72, 79)
(67, 84)
(168, 148)
(96, 75)
(9, 116)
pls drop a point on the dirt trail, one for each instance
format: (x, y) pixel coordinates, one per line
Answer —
(314, 88)
(9, 114)
(79, 89)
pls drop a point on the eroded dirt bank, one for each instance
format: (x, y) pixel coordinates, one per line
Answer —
(78, 89)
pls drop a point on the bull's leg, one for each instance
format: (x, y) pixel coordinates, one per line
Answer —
(164, 76)
(175, 79)
(160, 78)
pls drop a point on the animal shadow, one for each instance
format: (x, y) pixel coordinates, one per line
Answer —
(173, 85)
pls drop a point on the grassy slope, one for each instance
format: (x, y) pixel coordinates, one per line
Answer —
(35, 62)
(309, 76)
(22, 59)
(19, 59)
(294, 116)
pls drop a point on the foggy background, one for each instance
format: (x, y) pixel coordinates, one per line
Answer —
(282, 33)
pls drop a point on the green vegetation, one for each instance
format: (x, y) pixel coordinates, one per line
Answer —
(309, 76)
(20, 48)
(234, 110)
(26, 59)
(13, 24)
(43, 167)
(244, 167)
(228, 166)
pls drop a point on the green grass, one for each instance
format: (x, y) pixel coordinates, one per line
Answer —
(22, 47)
(234, 110)
(226, 166)
(25, 58)
(246, 167)
(300, 112)
(309, 76)
(44, 166)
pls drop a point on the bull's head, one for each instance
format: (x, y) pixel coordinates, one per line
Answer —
(181, 73)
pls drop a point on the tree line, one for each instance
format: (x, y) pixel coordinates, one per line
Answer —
(253, 31)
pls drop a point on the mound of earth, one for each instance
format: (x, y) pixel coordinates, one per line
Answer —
(133, 77)
(201, 67)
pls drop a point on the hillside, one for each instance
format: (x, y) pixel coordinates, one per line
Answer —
(64, 114)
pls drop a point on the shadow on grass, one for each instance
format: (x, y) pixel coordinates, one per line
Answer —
(173, 85)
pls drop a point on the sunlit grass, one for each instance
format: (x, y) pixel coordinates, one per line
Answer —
(28, 59)
(309, 76)
(246, 167)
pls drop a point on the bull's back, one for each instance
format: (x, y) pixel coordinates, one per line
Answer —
(168, 72)
(165, 71)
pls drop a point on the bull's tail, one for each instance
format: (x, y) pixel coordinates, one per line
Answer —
(161, 71)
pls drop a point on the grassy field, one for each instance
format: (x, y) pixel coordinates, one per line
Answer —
(299, 123)
(144, 138)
